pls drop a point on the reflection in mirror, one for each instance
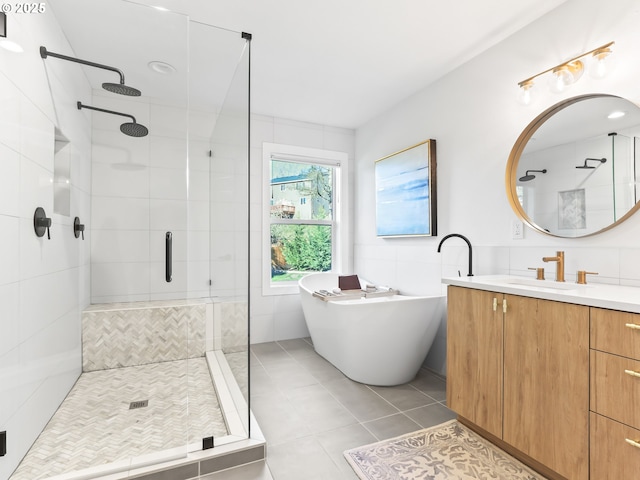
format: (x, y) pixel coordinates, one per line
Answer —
(574, 170)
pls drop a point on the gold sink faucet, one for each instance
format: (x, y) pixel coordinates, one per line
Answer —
(559, 259)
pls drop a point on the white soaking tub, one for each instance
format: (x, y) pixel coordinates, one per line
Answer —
(377, 341)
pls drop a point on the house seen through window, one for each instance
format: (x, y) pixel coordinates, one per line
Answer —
(302, 218)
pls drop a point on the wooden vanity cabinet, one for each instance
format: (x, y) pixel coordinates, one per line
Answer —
(517, 367)
(546, 383)
(474, 357)
(615, 394)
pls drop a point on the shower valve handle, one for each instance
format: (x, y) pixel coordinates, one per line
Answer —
(41, 223)
(78, 228)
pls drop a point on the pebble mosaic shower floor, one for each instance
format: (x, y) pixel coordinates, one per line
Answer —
(94, 425)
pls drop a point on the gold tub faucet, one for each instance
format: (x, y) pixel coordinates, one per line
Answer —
(559, 259)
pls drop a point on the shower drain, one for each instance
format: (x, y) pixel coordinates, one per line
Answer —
(138, 404)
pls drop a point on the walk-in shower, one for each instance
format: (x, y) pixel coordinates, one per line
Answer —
(104, 328)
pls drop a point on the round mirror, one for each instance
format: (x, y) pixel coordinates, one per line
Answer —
(574, 170)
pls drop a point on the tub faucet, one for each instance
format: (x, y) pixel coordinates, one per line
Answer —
(470, 274)
(559, 259)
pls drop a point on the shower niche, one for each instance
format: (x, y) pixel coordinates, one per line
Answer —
(61, 175)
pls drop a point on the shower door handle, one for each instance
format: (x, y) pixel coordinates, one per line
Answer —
(168, 259)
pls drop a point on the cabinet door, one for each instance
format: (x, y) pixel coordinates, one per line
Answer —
(546, 383)
(615, 451)
(474, 356)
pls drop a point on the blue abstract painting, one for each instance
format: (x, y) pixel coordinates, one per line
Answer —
(404, 192)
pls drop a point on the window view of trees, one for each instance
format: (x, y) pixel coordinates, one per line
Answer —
(301, 219)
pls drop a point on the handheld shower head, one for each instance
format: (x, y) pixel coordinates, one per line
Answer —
(133, 129)
(528, 177)
(119, 88)
(585, 166)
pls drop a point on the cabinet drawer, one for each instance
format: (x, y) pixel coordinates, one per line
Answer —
(615, 387)
(612, 454)
(616, 332)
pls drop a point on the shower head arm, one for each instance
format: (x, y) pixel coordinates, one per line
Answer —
(585, 166)
(44, 54)
(81, 106)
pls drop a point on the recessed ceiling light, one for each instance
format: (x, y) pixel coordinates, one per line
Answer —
(616, 114)
(161, 67)
(162, 9)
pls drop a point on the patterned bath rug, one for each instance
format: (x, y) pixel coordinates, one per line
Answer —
(449, 451)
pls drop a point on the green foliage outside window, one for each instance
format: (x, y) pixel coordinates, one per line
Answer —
(305, 248)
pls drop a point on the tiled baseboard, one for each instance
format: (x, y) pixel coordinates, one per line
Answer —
(206, 466)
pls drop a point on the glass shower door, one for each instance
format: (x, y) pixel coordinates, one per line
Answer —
(219, 214)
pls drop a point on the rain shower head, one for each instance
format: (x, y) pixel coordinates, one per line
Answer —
(133, 129)
(528, 177)
(119, 88)
(585, 166)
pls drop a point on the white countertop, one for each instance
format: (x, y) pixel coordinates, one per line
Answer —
(614, 297)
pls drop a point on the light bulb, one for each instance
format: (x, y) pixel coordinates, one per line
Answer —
(602, 63)
(561, 78)
(565, 75)
(526, 92)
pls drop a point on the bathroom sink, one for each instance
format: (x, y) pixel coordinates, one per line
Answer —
(546, 284)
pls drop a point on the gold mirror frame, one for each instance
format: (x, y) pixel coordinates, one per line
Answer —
(516, 152)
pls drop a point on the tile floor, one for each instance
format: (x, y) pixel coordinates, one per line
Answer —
(309, 412)
(95, 426)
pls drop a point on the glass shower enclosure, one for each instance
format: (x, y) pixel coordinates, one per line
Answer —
(162, 358)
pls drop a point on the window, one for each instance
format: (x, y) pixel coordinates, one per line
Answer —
(302, 228)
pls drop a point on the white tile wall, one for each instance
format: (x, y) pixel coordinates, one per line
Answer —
(9, 188)
(9, 318)
(169, 191)
(42, 281)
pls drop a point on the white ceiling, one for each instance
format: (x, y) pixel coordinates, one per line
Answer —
(332, 62)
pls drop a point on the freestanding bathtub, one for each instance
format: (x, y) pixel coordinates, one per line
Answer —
(376, 341)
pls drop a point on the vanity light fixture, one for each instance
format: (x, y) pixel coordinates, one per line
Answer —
(567, 73)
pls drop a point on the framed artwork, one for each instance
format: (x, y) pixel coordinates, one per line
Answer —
(572, 211)
(3, 25)
(406, 192)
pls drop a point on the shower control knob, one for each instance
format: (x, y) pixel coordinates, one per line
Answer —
(41, 223)
(78, 228)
